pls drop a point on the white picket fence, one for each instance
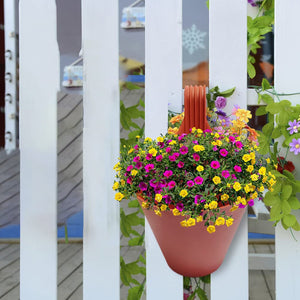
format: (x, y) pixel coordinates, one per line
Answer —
(38, 119)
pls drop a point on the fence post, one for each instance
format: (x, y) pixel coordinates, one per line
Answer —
(228, 68)
(39, 83)
(163, 85)
(287, 64)
(101, 137)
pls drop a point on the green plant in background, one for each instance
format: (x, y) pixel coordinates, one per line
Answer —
(277, 139)
(129, 118)
(257, 28)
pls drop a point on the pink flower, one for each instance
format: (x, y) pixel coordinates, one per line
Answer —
(233, 176)
(136, 159)
(237, 169)
(190, 183)
(215, 148)
(138, 165)
(172, 157)
(215, 164)
(251, 202)
(223, 152)
(198, 180)
(168, 149)
(149, 167)
(196, 156)
(129, 180)
(136, 147)
(148, 156)
(159, 157)
(197, 198)
(184, 150)
(231, 139)
(143, 186)
(180, 164)
(129, 168)
(239, 144)
(171, 184)
(168, 173)
(225, 173)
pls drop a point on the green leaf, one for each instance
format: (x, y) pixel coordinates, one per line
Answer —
(134, 293)
(265, 84)
(261, 111)
(138, 241)
(273, 108)
(271, 199)
(142, 259)
(227, 93)
(289, 220)
(286, 192)
(286, 209)
(276, 133)
(251, 70)
(296, 186)
(205, 279)
(133, 203)
(267, 99)
(201, 294)
(133, 268)
(294, 202)
(296, 226)
(275, 212)
(134, 220)
(264, 143)
(131, 86)
(268, 129)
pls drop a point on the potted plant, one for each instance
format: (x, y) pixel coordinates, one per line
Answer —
(194, 187)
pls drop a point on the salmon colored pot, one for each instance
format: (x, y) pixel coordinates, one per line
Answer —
(192, 251)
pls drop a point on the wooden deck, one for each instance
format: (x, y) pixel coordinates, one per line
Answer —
(261, 283)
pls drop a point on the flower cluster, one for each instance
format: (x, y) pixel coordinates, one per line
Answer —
(294, 129)
(195, 174)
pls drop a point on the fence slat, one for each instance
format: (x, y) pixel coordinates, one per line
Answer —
(228, 68)
(101, 240)
(39, 83)
(163, 85)
(287, 64)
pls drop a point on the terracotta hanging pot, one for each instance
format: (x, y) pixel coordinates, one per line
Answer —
(192, 251)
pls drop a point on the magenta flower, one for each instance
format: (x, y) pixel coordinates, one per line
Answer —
(295, 146)
(180, 206)
(215, 164)
(241, 205)
(138, 165)
(168, 173)
(223, 152)
(225, 173)
(159, 157)
(149, 167)
(180, 165)
(239, 144)
(129, 180)
(293, 126)
(184, 150)
(176, 154)
(198, 180)
(167, 199)
(136, 147)
(251, 202)
(172, 157)
(233, 176)
(168, 149)
(237, 169)
(129, 168)
(136, 159)
(148, 156)
(197, 198)
(143, 186)
(171, 185)
(181, 137)
(196, 156)
(220, 102)
(190, 183)
(231, 139)
(215, 148)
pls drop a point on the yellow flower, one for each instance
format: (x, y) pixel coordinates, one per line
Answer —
(117, 166)
(130, 151)
(228, 185)
(219, 143)
(211, 229)
(233, 208)
(200, 168)
(206, 206)
(213, 204)
(191, 222)
(147, 139)
(247, 188)
(265, 178)
(122, 182)
(254, 177)
(229, 222)
(262, 171)
(160, 139)
(153, 151)
(116, 185)
(237, 186)
(134, 172)
(183, 193)
(246, 157)
(172, 142)
(199, 131)
(220, 221)
(173, 130)
(184, 223)
(253, 161)
(158, 197)
(198, 148)
(199, 219)
(216, 180)
(261, 188)
(268, 160)
(119, 196)
(176, 212)
(252, 155)
(254, 195)
(157, 212)
(193, 129)
(243, 115)
(250, 168)
(163, 207)
(145, 204)
(224, 197)
(137, 136)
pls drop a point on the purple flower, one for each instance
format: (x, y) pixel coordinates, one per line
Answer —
(190, 183)
(143, 186)
(223, 152)
(252, 3)
(198, 180)
(251, 202)
(225, 173)
(167, 199)
(220, 102)
(148, 156)
(171, 184)
(180, 165)
(221, 114)
(163, 183)
(161, 144)
(215, 164)
(197, 198)
(180, 206)
(295, 146)
(159, 157)
(136, 159)
(241, 205)
(138, 165)
(184, 150)
(153, 183)
(168, 173)
(293, 126)
(157, 190)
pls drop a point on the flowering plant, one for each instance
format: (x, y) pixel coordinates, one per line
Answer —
(195, 174)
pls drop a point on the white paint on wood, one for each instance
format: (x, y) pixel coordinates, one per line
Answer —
(38, 144)
(101, 136)
(11, 56)
(163, 85)
(287, 64)
(228, 68)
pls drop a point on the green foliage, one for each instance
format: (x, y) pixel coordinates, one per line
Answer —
(282, 198)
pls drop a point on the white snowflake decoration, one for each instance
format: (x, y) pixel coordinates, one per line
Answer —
(193, 39)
